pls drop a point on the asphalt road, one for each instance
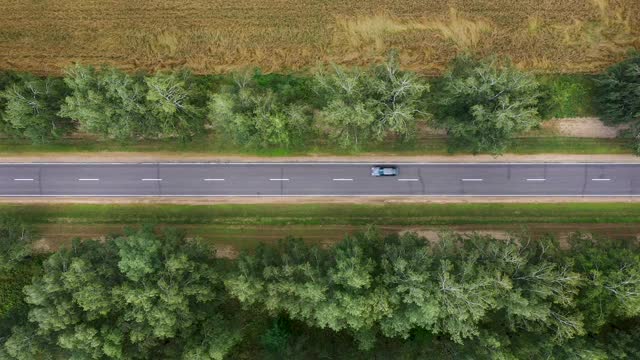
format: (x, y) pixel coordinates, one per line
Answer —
(317, 179)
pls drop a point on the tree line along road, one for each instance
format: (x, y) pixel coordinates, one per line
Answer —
(317, 179)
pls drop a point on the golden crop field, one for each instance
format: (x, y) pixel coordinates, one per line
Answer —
(212, 36)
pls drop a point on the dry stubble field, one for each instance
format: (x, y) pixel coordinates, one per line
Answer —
(211, 36)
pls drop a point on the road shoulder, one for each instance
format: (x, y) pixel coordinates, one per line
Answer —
(375, 200)
(136, 157)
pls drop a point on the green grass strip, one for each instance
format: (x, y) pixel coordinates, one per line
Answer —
(326, 214)
(427, 146)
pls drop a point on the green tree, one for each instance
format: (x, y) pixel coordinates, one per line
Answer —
(612, 279)
(407, 274)
(622, 343)
(136, 296)
(172, 99)
(25, 344)
(465, 281)
(538, 291)
(465, 294)
(276, 338)
(335, 291)
(31, 108)
(367, 105)
(472, 290)
(618, 92)
(108, 102)
(17, 266)
(252, 116)
(15, 242)
(7, 78)
(482, 105)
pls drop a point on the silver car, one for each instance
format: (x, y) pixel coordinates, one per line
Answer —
(384, 171)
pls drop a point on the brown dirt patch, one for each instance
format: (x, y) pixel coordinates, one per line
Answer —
(434, 234)
(583, 128)
(230, 241)
(226, 252)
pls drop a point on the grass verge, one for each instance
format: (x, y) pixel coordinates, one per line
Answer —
(326, 214)
(424, 146)
(232, 228)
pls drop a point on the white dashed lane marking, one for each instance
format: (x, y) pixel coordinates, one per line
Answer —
(88, 179)
(471, 179)
(213, 179)
(278, 179)
(151, 179)
(340, 179)
(600, 179)
(537, 179)
(408, 179)
(22, 179)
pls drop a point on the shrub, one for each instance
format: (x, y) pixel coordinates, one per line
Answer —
(618, 92)
(566, 96)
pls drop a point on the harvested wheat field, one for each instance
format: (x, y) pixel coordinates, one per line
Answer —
(212, 36)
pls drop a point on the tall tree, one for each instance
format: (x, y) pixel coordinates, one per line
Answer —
(252, 116)
(31, 108)
(407, 274)
(108, 102)
(537, 291)
(482, 104)
(471, 289)
(172, 102)
(335, 291)
(366, 105)
(137, 296)
(611, 291)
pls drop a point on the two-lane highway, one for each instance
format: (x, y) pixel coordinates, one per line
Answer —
(317, 179)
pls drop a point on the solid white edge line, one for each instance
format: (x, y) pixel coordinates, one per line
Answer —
(319, 163)
(340, 179)
(88, 179)
(278, 179)
(22, 179)
(376, 163)
(213, 179)
(600, 179)
(365, 195)
(151, 179)
(472, 180)
(537, 179)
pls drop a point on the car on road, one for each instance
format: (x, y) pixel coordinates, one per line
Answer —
(383, 170)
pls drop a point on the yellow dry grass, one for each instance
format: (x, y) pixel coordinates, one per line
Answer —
(212, 36)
